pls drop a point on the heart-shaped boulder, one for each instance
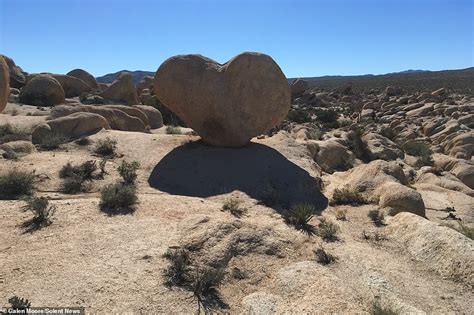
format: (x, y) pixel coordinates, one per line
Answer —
(225, 104)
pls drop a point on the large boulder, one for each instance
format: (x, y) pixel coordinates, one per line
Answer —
(17, 76)
(144, 84)
(72, 86)
(155, 119)
(117, 119)
(225, 104)
(330, 155)
(121, 90)
(298, 87)
(398, 198)
(381, 148)
(42, 90)
(72, 126)
(86, 77)
(4, 84)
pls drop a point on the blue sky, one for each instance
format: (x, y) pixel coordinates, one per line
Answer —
(306, 38)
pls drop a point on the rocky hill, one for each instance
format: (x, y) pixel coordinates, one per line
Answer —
(137, 76)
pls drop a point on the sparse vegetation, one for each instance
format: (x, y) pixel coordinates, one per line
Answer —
(299, 116)
(204, 286)
(75, 176)
(377, 217)
(84, 141)
(341, 214)
(347, 196)
(421, 150)
(269, 195)
(106, 147)
(177, 273)
(328, 118)
(15, 184)
(52, 142)
(378, 309)
(118, 198)
(128, 171)
(299, 217)
(9, 133)
(41, 210)
(323, 257)
(358, 146)
(327, 230)
(19, 304)
(233, 206)
(173, 130)
(376, 236)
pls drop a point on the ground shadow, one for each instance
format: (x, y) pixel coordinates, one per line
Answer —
(198, 170)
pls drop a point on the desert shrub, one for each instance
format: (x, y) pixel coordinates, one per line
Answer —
(204, 285)
(102, 165)
(75, 176)
(378, 309)
(15, 184)
(376, 236)
(233, 206)
(177, 273)
(341, 214)
(345, 122)
(10, 155)
(173, 130)
(83, 141)
(118, 198)
(421, 150)
(299, 217)
(9, 133)
(106, 147)
(19, 304)
(347, 196)
(377, 217)
(41, 210)
(323, 257)
(128, 171)
(52, 142)
(327, 116)
(327, 230)
(299, 116)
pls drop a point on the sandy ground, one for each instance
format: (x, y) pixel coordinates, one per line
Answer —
(113, 264)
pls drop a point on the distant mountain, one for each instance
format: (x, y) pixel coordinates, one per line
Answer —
(410, 80)
(137, 76)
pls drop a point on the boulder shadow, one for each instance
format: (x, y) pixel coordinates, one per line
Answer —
(198, 170)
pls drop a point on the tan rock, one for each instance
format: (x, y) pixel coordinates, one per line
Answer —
(154, 116)
(72, 126)
(121, 90)
(86, 77)
(42, 90)
(72, 86)
(398, 198)
(4, 84)
(330, 155)
(298, 87)
(225, 104)
(117, 119)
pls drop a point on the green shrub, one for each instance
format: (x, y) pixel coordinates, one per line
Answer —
(118, 198)
(358, 146)
(128, 171)
(347, 196)
(83, 141)
(75, 176)
(341, 214)
(173, 130)
(323, 257)
(299, 217)
(19, 304)
(377, 217)
(52, 142)
(327, 116)
(106, 147)
(299, 116)
(15, 184)
(177, 273)
(41, 210)
(327, 230)
(204, 286)
(233, 206)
